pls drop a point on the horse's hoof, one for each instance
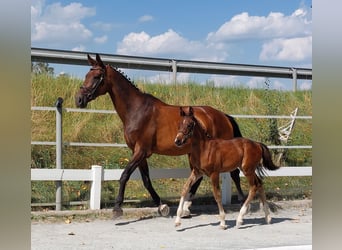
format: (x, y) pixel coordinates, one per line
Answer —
(117, 212)
(223, 227)
(164, 210)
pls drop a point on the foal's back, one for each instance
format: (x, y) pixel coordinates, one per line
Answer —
(227, 155)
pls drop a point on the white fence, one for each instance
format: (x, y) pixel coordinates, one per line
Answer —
(96, 175)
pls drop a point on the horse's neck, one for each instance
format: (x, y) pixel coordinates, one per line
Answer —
(125, 96)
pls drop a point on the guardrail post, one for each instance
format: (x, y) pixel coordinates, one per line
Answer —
(59, 147)
(294, 79)
(174, 71)
(226, 187)
(95, 191)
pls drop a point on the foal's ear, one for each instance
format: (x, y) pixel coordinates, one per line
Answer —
(99, 61)
(91, 61)
(191, 111)
(181, 111)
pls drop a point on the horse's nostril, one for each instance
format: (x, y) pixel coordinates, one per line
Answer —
(80, 101)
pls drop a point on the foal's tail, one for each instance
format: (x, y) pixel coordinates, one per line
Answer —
(267, 158)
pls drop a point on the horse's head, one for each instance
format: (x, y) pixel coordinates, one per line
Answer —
(186, 126)
(94, 83)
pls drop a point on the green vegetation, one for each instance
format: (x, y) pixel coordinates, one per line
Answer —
(91, 127)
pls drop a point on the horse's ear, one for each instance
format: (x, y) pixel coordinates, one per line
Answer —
(99, 61)
(91, 61)
(182, 113)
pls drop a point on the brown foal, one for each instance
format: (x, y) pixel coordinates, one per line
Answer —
(213, 156)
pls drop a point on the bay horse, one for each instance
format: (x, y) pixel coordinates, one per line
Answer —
(214, 156)
(149, 126)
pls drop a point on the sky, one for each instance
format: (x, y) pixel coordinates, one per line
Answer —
(263, 32)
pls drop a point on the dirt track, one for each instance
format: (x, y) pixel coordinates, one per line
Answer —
(144, 229)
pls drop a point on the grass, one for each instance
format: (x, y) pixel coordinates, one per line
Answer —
(90, 127)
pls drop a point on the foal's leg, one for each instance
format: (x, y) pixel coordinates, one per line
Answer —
(190, 195)
(163, 209)
(254, 182)
(215, 181)
(190, 181)
(265, 204)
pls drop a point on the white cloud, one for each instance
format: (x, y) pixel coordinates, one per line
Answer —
(146, 18)
(101, 40)
(275, 25)
(102, 26)
(79, 48)
(169, 42)
(59, 24)
(293, 49)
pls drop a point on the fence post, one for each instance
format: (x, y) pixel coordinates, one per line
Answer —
(294, 79)
(226, 188)
(59, 148)
(95, 191)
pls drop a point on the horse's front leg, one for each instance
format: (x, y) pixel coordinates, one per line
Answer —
(190, 181)
(131, 166)
(190, 195)
(215, 181)
(163, 209)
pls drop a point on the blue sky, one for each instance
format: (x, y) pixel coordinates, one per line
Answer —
(260, 32)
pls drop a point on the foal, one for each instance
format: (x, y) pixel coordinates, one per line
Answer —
(214, 156)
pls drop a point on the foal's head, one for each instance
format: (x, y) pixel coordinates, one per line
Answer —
(186, 126)
(94, 83)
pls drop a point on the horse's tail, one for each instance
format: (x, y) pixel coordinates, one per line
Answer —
(236, 129)
(267, 158)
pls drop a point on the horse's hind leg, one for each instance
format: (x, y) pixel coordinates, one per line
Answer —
(163, 209)
(265, 204)
(215, 181)
(254, 182)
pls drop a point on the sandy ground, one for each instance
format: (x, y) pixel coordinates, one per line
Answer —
(291, 228)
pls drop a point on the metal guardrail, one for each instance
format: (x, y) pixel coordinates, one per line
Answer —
(172, 65)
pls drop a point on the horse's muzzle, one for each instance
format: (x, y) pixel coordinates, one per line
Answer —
(179, 142)
(81, 101)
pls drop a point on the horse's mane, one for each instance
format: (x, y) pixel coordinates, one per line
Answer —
(125, 76)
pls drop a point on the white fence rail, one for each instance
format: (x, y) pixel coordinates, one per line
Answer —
(96, 175)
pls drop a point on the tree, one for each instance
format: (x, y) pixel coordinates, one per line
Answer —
(41, 68)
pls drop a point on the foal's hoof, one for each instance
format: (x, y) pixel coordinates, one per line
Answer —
(268, 219)
(164, 210)
(177, 224)
(117, 212)
(186, 214)
(238, 224)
